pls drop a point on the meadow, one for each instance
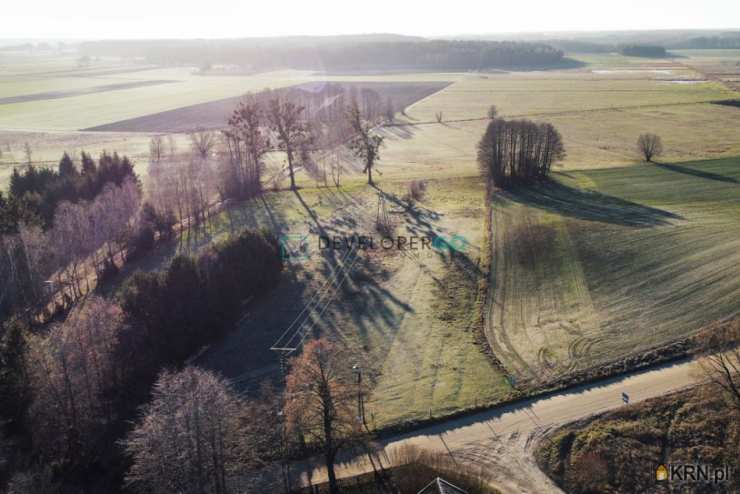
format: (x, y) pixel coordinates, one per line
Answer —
(604, 263)
(599, 108)
(613, 257)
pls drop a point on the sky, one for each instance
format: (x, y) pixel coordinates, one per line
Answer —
(95, 19)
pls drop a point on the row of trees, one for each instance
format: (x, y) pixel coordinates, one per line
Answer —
(72, 375)
(75, 384)
(38, 263)
(518, 151)
(651, 51)
(194, 299)
(387, 54)
(182, 190)
(316, 130)
(293, 122)
(34, 193)
(712, 42)
(197, 435)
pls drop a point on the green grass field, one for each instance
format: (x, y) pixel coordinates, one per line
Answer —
(604, 263)
(616, 257)
(600, 109)
(80, 112)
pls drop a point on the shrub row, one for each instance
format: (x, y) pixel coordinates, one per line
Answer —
(195, 299)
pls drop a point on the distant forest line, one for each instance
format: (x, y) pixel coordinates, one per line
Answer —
(338, 56)
(699, 43)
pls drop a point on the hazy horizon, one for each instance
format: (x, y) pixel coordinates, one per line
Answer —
(137, 19)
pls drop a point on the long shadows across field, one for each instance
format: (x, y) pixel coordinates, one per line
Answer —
(555, 197)
(419, 221)
(697, 173)
(353, 280)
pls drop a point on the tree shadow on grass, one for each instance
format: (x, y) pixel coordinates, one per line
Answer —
(337, 293)
(398, 131)
(589, 205)
(452, 249)
(697, 173)
(353, 301)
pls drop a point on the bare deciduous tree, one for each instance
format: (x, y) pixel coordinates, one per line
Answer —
(364, 144)
(336, 169)
(246, 144)
(291, 130)
(390, 110)
(320, 402)
(438, 116)
(371, 104)
(720, 364)
(70, 370)
(156, 149)
(171, 145)
(188, 437)
(28, 260)
(202, 142)
(649, 146)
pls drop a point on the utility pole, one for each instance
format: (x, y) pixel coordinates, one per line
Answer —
(382, 221)
(360, 402)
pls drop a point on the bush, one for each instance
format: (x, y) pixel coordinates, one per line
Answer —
(417, 189)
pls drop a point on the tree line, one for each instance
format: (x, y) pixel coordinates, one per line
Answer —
(727, 42)
(35, 192)
(515, 152)
(76, 384)
(192, 301)
(316, 131)
(76, 380)
(650, 51)
(69, 389)
(58, 224)
(413, 54)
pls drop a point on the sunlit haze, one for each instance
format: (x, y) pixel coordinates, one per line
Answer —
(76, 19)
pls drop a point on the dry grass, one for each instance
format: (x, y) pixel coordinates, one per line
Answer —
(598, 283)
(619, 451)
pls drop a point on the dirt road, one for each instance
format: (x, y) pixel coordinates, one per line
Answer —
(503, 438)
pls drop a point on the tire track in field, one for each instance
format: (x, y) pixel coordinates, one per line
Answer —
(542, 316)
(494, 323)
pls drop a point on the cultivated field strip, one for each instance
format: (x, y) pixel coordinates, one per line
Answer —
(649, 256)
